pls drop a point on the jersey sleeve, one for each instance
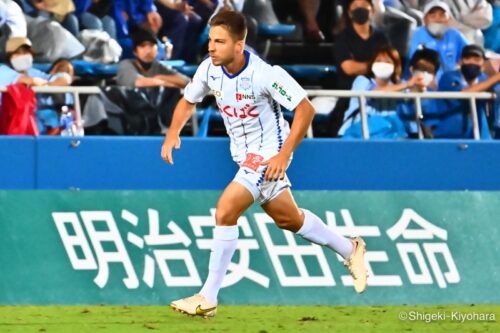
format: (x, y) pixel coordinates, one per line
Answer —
(198, 87)
(283, 88)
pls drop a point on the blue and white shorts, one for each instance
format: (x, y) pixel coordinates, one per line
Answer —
(251, 175)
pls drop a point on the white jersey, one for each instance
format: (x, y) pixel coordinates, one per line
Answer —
(249, 103)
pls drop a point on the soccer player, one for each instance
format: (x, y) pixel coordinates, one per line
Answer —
(249, 92)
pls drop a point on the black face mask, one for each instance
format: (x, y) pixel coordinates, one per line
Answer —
(470, 71)
(145, 65)
(360, 15)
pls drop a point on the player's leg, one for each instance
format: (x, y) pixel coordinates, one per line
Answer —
(287, 215)
(233, 202)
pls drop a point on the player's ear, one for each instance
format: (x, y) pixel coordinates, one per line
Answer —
(240, 46)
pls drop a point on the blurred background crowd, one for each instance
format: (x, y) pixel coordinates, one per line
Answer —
(142, 53)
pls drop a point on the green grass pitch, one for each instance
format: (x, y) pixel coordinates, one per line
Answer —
(254, 319)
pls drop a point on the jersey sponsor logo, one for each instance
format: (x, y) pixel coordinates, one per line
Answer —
(240, 97)
(217, 93)
(242, 113)
(252, 161)
(245, 83)
(279, 88)
(214, 77)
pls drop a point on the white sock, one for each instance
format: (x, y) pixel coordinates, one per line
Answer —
(223, 247)
(316, 231)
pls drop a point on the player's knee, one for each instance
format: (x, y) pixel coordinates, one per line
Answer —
(225, 217)
(287, 223)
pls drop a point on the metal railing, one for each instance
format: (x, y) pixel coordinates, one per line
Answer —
(416, 96)
(362, 95)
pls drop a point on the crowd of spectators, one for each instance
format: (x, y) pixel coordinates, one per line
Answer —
(446, 45)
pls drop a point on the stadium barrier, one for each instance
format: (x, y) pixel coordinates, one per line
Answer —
(109, 222)
(134, 163)
(151, 247)
(362, 95)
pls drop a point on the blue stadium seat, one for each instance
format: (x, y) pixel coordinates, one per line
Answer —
(274, 30)
(310, 71)
(188, 70)
(83, 67)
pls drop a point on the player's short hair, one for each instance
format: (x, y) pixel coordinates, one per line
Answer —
(234, 22)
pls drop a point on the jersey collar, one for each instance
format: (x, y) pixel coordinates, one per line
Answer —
(247, 58)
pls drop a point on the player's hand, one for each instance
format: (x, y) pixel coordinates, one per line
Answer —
(171, 141)
(276, 166)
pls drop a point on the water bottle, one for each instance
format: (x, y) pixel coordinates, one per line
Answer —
(168, 47)
(67, 122)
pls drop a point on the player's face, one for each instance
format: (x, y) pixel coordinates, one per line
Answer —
(146, 52)
(222, 47)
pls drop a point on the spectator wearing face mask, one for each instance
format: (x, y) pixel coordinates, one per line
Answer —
(354, 48)
(20, 59)
(456, 122)
(437, 34)
(384, 75)
(145, 70)
(425, 63)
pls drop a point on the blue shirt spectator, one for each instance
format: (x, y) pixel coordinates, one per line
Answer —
(383, 121)
(96, 15)
(131, 13)
(20, 58)
(437, 35)
(455, 121)
(424, 63)
(82, 6)
(454, 114)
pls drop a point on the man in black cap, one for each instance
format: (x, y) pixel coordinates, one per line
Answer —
(145, 70)
(160, 86)
(469, 78)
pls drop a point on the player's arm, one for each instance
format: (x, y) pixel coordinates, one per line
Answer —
(194, 93)
(287, 92)
(182, 113)
(304, 114)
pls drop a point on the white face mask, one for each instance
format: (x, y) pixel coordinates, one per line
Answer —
(437, 29)
(22, 62)
(382, 70)
(428, 77)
